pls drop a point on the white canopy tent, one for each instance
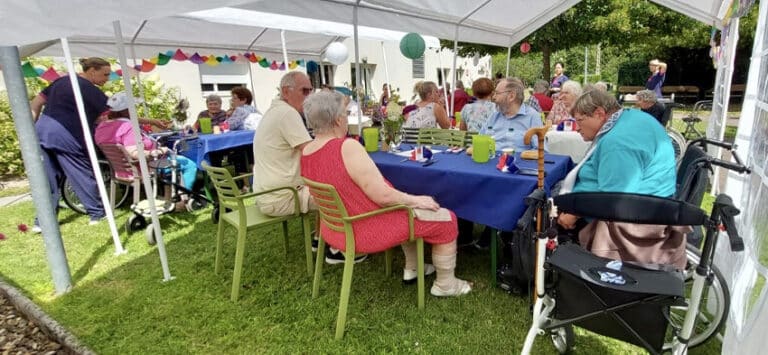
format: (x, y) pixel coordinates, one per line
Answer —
(496, 22)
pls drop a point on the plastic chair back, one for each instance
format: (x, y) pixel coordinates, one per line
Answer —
(332, 210)
(438, 136)
(468, 138)
(226, 188)
(123, 165)
(410, 135)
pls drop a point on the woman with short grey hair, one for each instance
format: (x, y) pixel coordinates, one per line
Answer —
(322, 109)
(333, 159)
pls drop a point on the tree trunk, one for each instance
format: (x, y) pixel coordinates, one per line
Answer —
(546, 54)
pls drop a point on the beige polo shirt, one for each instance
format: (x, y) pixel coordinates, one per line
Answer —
(275, 157)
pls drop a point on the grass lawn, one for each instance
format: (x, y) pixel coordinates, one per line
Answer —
(119, 304)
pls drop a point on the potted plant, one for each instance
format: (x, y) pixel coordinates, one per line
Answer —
(391, 127)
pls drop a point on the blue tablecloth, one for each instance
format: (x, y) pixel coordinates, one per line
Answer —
(476, 192)
(200, 146)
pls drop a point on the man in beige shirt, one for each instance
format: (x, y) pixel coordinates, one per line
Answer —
(277, 146)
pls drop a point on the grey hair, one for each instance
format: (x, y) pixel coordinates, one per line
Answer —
(572, 86)
(646, 96)
(515, 85)
(591, 100)
(322, 109)
(540, 86)
(601, 85)
(213, 98)
(290, 79)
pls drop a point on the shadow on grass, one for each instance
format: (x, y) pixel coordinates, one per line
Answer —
(121, 305)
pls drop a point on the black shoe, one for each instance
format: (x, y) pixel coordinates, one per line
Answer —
(338, 257)
(314, 245)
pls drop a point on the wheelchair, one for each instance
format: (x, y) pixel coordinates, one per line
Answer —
(640, 304)
(71, 200)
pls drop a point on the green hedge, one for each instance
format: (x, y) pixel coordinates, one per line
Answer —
(10, 155)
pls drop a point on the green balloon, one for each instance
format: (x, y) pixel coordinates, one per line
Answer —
(412, 46)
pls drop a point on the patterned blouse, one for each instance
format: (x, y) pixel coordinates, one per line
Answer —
(422, 117)
(476, 114)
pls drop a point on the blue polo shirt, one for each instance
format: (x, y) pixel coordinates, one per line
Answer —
(508, 132)
(60, 104)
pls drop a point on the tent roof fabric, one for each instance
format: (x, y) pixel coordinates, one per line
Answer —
(182, 23)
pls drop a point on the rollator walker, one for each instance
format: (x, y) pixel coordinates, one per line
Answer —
(625, 300)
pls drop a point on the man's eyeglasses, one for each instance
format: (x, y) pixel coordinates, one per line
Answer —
(307, 91)
(501, 92)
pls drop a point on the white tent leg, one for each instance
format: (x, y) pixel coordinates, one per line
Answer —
(285, 50)
(358, 74)
(142, 158)
(386, 68)
(509, 56)
(31, 152)
(453, 71)
(90, 148)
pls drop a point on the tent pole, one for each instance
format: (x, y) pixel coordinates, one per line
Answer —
(285, 51)
(453, 70)
(148, 189)
(442, 73)
(386, 68)
(322, 72)
(90, 147)
(358, 74)
(727, 65)
(586, 63)
(31, 153)
(127, 71)
(509, 57)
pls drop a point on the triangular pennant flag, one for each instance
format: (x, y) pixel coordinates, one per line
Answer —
(146, 66)
(301, 62)
(28, 70)
(233, 58)
(113, 76)
(163, 59)
(273, 66)
(197, 59)
(180, 56)
(224, 59)
(282, 66)
(169, 53)
(50, 75)
(119, 72)
(264, 63)
(153, 60)
(241, 59)
(212, 61)
(292, 65)
(39, 71)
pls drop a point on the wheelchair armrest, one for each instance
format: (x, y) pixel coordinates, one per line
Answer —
(631, 208)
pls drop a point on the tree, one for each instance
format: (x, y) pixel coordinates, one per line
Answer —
(642, 25)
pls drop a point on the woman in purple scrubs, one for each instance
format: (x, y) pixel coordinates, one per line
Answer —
(61, 133)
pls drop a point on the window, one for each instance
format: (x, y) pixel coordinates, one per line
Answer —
(440, 73)
(367, 70)
(417, 67)
(328, 71)
(220, 80)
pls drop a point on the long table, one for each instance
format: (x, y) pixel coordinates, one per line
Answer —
(200, 147)
(476, 192)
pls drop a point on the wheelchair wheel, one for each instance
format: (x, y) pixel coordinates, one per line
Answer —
(194, 204)
(150, 234)
(679, 144)
(715, 301)
(135, 222)
(563, 338)
(73, 202)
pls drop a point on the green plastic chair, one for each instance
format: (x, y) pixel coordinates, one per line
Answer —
(438, 136)
(468, 138)
(245, 217)
(334, 215)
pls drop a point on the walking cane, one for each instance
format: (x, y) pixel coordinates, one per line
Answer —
(541, 241)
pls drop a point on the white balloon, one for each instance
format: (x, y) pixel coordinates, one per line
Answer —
(336, 53)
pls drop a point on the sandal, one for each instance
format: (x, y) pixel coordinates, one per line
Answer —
(460, 287)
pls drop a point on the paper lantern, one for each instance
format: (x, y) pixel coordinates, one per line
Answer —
(412, 46)
(336, 53)
(525, 47)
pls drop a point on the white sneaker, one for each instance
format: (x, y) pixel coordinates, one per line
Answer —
(409, 276)
(36, 229)
(460, 287)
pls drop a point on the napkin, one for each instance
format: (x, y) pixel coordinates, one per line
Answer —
(441, 215)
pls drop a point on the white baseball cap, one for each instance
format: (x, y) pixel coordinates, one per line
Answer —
(119, 102)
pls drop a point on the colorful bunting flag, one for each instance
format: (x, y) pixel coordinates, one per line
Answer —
(180, 56)
(50, 75)
(163, 59)
(264, 63)
(146, 66)
(29, 71)
(212, 61)
(282, 66)
(195, 58)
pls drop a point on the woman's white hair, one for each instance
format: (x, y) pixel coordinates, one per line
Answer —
(572, 86)
(322, 109)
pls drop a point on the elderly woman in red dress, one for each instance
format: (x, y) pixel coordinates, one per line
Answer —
(332, 159)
